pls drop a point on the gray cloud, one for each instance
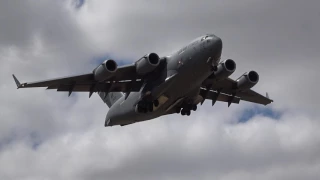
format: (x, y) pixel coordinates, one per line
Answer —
(45, 135)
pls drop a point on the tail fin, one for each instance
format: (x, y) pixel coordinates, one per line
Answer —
(110, 98)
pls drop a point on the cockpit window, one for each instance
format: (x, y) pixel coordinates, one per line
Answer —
(204, 38)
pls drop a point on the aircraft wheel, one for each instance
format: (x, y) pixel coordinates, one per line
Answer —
(188, 113)
(178, 110)
(143, 107)
(156, 103)
(183, 112)
(142, 104)
(140, 109)
(194, 107)
(150, 107)
(214, 68)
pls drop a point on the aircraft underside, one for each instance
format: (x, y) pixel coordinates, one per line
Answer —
(154, 86)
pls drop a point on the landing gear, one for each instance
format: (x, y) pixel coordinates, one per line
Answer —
(214, 68)
(183, 112)
(186, 110)
(144, 107)
(156, 103)
(194, 107)
(150, 107)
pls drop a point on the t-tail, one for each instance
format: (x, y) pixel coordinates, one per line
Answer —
(111, 97)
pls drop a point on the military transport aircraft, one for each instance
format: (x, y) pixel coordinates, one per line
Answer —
(154, 86)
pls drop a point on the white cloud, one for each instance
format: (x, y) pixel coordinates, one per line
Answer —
(45, 135)
(262, 147)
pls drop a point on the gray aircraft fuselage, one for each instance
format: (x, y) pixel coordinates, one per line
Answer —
(186, 70)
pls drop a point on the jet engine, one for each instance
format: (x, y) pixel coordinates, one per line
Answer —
(147, 64)
(105, 70)
(247, 80)
(225, 69)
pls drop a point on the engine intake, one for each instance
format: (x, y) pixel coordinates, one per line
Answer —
(105, 70)
(147, 64)
(247, 80)
(225, 69)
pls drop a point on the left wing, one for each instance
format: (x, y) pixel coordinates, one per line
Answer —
(125, 79)
(227, 85)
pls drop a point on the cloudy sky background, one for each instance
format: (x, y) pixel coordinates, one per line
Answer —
(45, 135)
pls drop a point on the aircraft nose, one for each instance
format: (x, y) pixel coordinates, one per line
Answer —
(214, 46)
(216, 43)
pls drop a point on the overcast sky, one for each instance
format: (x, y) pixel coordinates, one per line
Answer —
(46, 135)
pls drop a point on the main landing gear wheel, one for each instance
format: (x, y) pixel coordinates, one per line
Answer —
(150, 107)
(214, 68)
(144, 107)
(185, 112)
(194, 107)
(156, 103)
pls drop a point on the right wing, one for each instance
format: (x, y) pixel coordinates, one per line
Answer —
(125, 79)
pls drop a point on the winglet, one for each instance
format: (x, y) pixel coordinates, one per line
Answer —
(17, 81)
(267, 96)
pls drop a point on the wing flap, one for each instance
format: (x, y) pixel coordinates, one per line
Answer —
(126, 86)
(125, 79)
(215, 96)
(227, 85)
(252, 96)
(63, 80)
(126, 72)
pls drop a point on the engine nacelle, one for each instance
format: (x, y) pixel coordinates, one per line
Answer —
(105, 70)
(147, 64)
(247, 80)
(225, 69)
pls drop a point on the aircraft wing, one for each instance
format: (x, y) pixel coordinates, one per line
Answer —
(226, 86)
(125, 79)
(215, 96)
